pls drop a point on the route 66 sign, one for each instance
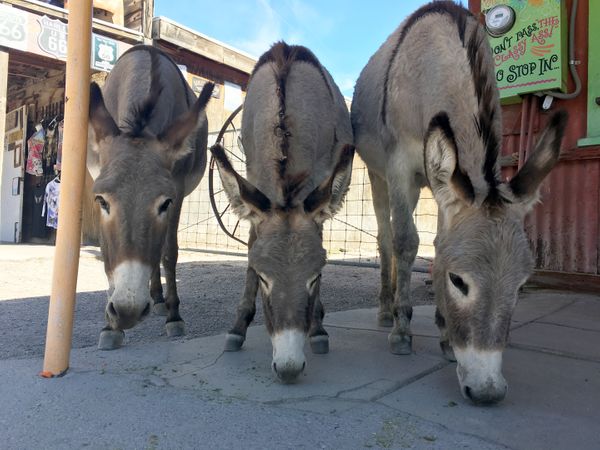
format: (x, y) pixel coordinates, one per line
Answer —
(53, 37)
(104, 54)
(13, 28)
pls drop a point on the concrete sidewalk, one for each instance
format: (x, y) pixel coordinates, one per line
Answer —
(189, 394)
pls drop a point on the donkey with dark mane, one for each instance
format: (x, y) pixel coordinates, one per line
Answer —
(296, 135)
(147, 151)
(426, 112)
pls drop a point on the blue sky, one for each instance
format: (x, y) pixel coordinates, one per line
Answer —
(343, 34)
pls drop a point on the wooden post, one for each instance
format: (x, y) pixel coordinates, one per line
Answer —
(3, 100)
(68, 237)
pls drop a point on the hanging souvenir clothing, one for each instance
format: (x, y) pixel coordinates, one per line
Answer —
(51, 203)
(50, 149)
(59, 142)
(38, 224)
(35, 149)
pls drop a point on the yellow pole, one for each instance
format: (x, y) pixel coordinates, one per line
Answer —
(68, 237)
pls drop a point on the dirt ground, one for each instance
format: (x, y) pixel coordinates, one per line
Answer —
(209, 287)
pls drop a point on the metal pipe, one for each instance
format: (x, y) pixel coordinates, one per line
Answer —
(522, 138)
(68, 237)
(572, 61)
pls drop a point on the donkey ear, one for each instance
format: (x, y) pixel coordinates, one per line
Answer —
(101, 122)
(524, 186)
(246, 200)
(175, 136)
(327, 199)
(447, 180)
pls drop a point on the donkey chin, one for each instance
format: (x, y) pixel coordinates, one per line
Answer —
(288, 354)
(480, 375)
(129, 299)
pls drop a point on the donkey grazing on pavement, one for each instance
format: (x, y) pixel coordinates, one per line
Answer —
(426, 112)
(148, 136)
(296, 135)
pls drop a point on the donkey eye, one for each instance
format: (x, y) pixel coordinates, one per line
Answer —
(164, 206)
(103, 203)
(459, 283)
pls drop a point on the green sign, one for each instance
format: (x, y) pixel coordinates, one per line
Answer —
(104, 53)
(531, 56)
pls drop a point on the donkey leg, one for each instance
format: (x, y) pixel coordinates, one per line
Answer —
(156, 292)
(440, 321)
(175, 325)
(246, 308)
(317, 336)
(404, 194)
(381, 205)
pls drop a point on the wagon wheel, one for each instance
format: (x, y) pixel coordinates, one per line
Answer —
(230, 138)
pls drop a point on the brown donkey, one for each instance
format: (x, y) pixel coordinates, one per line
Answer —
(426, 113)
(296, 134)
(147, 151)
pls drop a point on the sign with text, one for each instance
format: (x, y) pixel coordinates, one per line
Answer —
(531, 57)
(45, 36)
(13, 28)
(104, 53)
(52, 37)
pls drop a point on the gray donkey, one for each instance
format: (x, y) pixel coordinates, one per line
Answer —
(148, 136)
(426, 113)
(295, 133)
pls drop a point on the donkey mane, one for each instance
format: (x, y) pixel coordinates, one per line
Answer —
(282, 56)
(485, 86)
(456, 12)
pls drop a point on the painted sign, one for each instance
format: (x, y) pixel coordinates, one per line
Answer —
(531, 56)
(104, 53)
(47, 37)
(52, 37)
(13, 28)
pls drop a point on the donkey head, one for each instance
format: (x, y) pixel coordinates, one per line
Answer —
(288, 253)
(482, 253)
(135, 190)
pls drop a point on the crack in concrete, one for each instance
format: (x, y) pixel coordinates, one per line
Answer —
(411, 380)
(569, 326)
(560, 308)
(553, 352)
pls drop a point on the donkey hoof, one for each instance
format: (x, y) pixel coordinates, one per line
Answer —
(233, 342)
(160, 309)
(400, 344)
(319, 344)
(385, 319)
(110, 339)
(447, 351)
(176, 328)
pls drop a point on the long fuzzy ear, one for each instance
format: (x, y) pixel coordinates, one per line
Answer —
(451, 186)
(326, 200)
(102, 123)
(524, 186)
(175, 136)
(246, 200)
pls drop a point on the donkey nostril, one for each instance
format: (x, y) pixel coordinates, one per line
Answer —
(468, 392)
(303, 365)
(111, 310)
(146, 310)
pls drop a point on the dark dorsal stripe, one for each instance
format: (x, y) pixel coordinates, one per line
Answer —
(150, 49)
(282, 56)
(458, 14)
(486, 116)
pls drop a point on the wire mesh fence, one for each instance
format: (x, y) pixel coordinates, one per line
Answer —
(351, 236)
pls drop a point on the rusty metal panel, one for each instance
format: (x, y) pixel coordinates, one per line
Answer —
(564, 228)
